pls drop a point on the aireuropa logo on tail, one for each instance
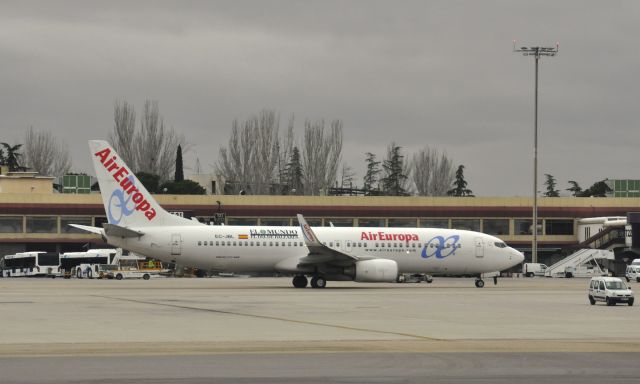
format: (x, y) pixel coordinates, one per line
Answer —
(129, 193)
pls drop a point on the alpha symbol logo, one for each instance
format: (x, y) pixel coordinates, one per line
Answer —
(440, 247)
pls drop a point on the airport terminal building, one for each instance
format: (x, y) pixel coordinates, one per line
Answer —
(33, 218)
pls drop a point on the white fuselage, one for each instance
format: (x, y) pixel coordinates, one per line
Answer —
(271, 249)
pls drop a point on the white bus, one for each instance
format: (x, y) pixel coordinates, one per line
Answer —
(84, 264)
(31, 264)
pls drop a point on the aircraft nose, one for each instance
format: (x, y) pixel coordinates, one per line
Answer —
(518, 256)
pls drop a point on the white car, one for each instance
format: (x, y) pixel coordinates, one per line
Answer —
(633, 273)
(611, 290)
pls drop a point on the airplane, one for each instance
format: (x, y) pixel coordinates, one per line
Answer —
(363, 254)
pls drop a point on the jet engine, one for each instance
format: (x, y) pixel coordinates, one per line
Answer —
(376, 271)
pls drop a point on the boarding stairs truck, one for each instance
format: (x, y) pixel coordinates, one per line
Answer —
(582, 263)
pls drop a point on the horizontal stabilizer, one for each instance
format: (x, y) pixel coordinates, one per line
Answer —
(88, 228)
(118, 231)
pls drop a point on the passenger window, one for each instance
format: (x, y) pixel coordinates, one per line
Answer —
(271, 243)
(257, 243)
(199, 242)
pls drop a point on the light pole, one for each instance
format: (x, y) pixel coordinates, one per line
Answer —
(536, 52)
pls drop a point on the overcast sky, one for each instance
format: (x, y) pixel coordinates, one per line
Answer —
(421, 73)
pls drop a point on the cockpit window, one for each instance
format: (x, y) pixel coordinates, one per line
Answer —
(500, 244)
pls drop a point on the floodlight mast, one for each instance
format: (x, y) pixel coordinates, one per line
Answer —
(536, 52)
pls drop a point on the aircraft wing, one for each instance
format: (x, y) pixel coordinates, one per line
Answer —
(320, 253)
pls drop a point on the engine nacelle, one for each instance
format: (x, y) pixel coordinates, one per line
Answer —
(376, 271)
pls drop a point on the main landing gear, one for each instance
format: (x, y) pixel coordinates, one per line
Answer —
(300, 281)
(479, 282)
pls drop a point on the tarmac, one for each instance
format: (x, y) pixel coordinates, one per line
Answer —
(196, 324)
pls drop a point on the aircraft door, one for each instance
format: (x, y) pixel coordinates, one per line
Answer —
(479, 247)
(176, 244)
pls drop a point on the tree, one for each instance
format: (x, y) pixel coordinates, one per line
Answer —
(150, 181)
(251, 157)
(321, 156)
(460, 184)
(13, 158)
(395, 172)
(294, 174)
(575, 189)
(179, 169)
(551, 186)
(432, 172)
(44, 154)
(184, 187)
(123, 136)
(152, 149)
(598, 189)
(373, 169)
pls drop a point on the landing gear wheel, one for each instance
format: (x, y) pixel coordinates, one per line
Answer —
(429, 279)
(146, 276)
(119, 276)
(300, 281)
(318, 282)
(479, 283)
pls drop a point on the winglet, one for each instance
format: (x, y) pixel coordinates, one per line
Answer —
(310, 237)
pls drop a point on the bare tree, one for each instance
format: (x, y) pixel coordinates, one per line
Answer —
(44, 154)
(155, 144)
(153, 148)
(251, 158)
(432, 172)
(321, 156)
(123, 136)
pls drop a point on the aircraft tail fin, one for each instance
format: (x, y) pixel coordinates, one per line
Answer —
(127, 202)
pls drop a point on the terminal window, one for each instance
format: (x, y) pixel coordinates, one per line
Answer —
(42, 224)
(11, 224)
(495, 226)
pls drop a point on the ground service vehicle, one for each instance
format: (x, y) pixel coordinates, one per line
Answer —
(611, 290)
(633, 273)
(132, 267)
(31, 264)
(83, 264)
(533, 269)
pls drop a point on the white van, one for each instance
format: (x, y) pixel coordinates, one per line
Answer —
(633, 273)
(611, 290)
(533, 269)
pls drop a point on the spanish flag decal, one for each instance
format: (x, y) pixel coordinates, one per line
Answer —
(243, 237)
